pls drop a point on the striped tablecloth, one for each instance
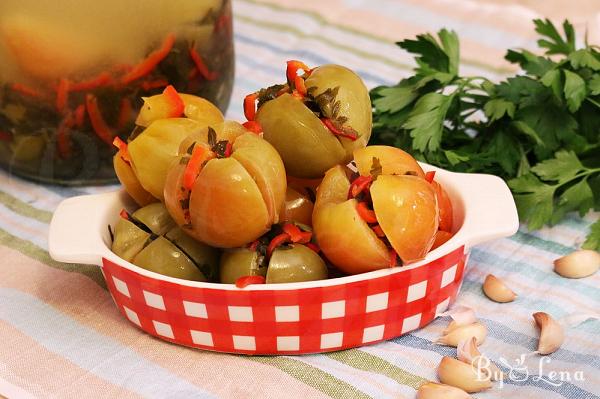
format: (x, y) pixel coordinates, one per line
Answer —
(61, 336)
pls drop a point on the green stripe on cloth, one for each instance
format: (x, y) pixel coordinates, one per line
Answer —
(312, 376)
(540, 243)
(318, 37)
(24, 209)
(322, 20)
(362, 360)
(33, 251)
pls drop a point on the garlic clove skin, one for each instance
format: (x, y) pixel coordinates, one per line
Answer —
(468, 352)
(461, 315)
(496, 290)
(433, 390)
(461, 333)
(462, 375)
(578, 264)
(551, 333)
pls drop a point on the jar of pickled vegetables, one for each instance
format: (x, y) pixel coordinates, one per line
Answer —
(73, 74)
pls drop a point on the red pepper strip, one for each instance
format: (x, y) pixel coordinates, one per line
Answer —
(62, 95)
(5, 136)
(201, 66)
(228, 150)
(429, 176)
(297, 235)
(378, 231)
(25, 90)
(365, 213)
(122, 146)
(98, 123)
(149, 63)
(250, 106)
(148, 85)
(329, 125)
(193, 167)
(103, 79)
(125, 112)
(300, 86)
(253, 245)
(360, 184)
(245, 281)
(312, 246)
(79, 115)
(393, 258)
(253, 126)
(124, 214)
(276, 242)
(175, 101)
(63, 140)
(297, 95)
(292, 70)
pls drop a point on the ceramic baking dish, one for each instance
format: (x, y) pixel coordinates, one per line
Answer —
(294, 318)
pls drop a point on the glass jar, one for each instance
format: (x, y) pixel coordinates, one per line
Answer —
(73, 74)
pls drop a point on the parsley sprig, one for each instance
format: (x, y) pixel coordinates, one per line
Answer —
(540, 130)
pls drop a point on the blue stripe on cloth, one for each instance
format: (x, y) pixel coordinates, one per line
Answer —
(567, 389)
(94, 352)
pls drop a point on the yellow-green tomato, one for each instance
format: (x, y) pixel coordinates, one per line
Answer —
(156, 217)
(204, 256)
(129, 239)
(156, 147)
(240, 262)
(162, 256)
(294, 264)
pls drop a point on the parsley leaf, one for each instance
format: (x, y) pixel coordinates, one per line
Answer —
(426, 121)
(497, 108)
(574, 90)
(534, 200)
(563, 167)
(556, 44)
(593, 239)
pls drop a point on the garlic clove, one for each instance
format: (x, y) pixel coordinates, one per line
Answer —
(461, 333)
(433, 390)
(468, 352)
(462, 375)
(551, 333)
(461, 315)
(578, 264)
(496, 290)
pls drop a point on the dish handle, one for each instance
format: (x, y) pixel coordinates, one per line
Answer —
(79, 230)
(489, 208)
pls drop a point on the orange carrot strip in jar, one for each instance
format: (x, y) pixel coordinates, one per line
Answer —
(98, 123)
(149, 63)
(25, 90)
(101, 80)
(79, 115)
(63, 137)
(62, 95)
(201, 66)
(125, 113)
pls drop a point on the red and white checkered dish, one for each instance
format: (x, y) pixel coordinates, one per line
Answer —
(294, 318)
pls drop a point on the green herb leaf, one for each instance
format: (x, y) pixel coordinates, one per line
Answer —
(426, 121)
(584, 58)
(534, 200)
(497, 108)
(593, 239)
(562, 168)
(574, 90)
(577, 197)
(553, 80)
(393, 99)
(594, 85)
(434, 56)
(556, 43)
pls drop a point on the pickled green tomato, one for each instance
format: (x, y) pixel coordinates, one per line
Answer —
(156, 147)
(129, 239)
(307, 147)
(240, 262)
(355, 103)
(156, 217)
(294, 264)
(205, 257)
(162, 256)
